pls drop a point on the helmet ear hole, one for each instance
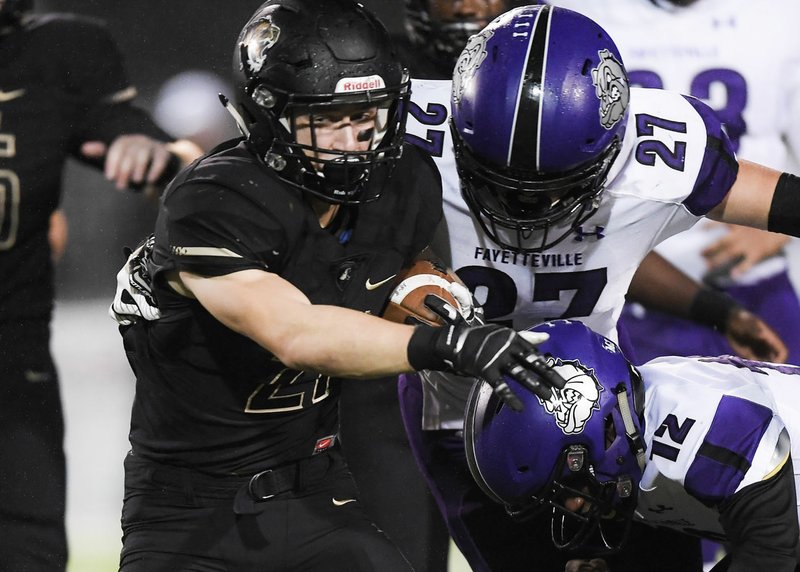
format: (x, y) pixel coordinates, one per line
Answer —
(610, 432)
(499, 407)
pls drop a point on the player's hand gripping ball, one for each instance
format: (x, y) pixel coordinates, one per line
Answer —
(407, 303)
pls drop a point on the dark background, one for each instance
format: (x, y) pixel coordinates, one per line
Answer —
(158, 40)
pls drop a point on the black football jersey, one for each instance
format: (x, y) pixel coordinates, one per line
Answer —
(62, 82)
(213, 399)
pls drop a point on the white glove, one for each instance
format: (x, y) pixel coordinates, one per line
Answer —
(134, 296)
(467, 305)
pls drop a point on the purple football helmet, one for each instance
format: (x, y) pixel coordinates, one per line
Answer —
(584, 442)
(539, 108)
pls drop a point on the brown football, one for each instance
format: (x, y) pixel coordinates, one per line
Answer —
(414, 284)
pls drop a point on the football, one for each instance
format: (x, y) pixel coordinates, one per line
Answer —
(413, 285)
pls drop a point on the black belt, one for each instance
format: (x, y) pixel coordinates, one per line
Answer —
(261, 486)
(293, 477)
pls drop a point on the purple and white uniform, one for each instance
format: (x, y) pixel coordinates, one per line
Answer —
(696, 457)
(674, 167)
(745, 64)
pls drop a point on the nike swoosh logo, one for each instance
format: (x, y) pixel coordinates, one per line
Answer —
(371, 286)
(9, 95)
(337, 502)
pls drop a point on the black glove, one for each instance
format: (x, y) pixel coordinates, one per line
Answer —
(488, 352)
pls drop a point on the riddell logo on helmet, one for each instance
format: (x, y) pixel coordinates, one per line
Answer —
(365, 83)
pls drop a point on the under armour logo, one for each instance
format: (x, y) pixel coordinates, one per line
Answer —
(729, 22)
(580, 234)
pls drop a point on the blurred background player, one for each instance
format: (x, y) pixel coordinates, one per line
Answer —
(519, 254)
(746, 65)
(655, 444)
(64, 93)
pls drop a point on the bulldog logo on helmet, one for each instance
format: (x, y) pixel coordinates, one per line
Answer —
(611, 87)
(469, 61)
(573, 405)
(259, 38)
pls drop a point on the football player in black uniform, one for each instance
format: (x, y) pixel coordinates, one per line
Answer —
(269, 255)
(63, 92)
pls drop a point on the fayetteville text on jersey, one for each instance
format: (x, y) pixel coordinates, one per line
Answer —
(535, 259)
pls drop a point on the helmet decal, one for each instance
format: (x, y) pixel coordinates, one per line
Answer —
(611, 88)
(259, 39)
(573, 405)
(469, 61)
(348, 84)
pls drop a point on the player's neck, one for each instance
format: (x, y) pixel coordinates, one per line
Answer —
(325, 212)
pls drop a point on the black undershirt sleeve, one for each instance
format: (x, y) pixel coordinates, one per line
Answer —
(760, 522)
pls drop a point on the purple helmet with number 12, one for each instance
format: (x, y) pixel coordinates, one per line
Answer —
(539, 108)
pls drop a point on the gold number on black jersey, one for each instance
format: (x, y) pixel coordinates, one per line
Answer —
(9, 195)
(289, 390)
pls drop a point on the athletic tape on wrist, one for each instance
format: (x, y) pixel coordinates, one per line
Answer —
(712, 308)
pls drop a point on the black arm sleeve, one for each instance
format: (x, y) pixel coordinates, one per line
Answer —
(107, 121)
(761, 524)
(783, 212)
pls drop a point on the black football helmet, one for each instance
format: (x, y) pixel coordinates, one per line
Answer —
(441, 39)
(302, 58)
(12, 11)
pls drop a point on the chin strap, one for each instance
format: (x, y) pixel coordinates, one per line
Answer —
(237, 117)
(630, 428)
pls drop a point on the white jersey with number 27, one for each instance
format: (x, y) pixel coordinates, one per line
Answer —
(658, 186)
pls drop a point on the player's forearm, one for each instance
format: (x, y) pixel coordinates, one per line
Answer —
(762, 198)
(341, 342)
(280, 318)
(659, 285)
